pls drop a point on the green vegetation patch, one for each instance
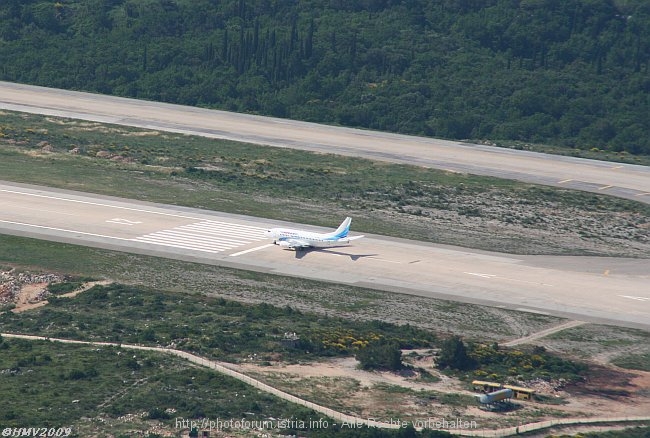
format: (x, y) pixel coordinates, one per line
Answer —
(380, 356)
(208, 326)
(70, 284)
(632, 432)
(524, 364)
(111, 390)
(633, 361)
(497, 363)
(624, 347)
(55, 385)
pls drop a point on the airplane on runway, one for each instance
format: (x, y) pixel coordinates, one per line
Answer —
(299, 239)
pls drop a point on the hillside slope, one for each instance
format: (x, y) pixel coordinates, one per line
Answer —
(572, 73)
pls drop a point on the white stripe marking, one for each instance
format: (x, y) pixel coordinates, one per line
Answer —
(480, 275)
(100, 204)
(208, 234)
(188, 246)
(64, 230)
(523, 309)
(225, 226)
(385, 260)
(167, 240)
(121, 221)
(635, 298)
(246, 251)
(141, 210)
(197, 237)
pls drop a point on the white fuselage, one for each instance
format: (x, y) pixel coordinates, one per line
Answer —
(299, 239)
(282, 237)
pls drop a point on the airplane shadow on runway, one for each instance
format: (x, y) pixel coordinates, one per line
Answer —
(354, 257)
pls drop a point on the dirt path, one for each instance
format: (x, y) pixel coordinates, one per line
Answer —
(347, 368)
(28, 297)
(543, 333)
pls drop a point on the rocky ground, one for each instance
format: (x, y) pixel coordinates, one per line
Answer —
(24, 290)
(609, 392)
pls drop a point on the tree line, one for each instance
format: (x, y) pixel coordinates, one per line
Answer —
(566, 72)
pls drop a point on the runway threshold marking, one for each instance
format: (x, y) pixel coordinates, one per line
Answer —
(246, 251)
(206, 236)
(121, 221)
(212, 248)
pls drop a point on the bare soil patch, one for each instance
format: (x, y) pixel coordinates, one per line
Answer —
(29, 291)
(30, 297)
(609, 392)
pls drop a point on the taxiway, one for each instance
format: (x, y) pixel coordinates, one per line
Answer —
(616, 179)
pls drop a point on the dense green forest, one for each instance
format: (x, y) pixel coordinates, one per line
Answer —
(567, 72)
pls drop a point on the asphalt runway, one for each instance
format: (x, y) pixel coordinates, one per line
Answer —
(616, 179)
(596, 289)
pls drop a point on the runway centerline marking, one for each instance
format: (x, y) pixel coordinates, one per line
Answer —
(480, 275)
(565, 181)
(246, 251)
(497, 277)
(385, 260)
(605, 187)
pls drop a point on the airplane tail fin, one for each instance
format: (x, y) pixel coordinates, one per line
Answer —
(343, 229)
